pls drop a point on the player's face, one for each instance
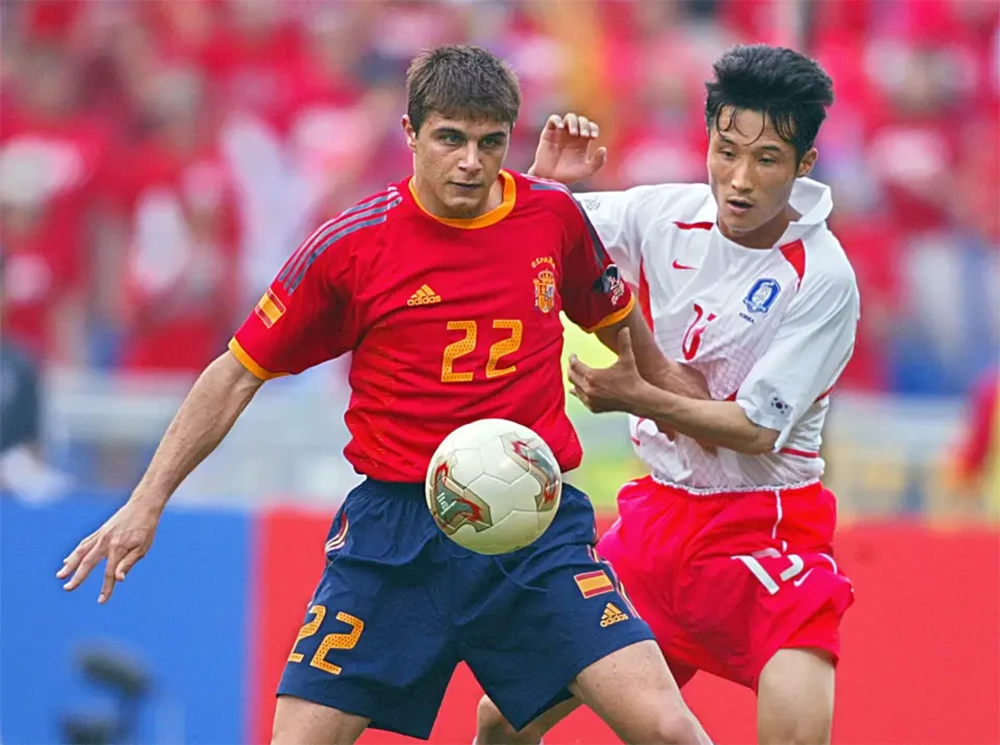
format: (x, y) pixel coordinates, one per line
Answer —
(752, 171)
(456, 163)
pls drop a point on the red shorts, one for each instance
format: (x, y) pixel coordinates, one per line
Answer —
(726, 580)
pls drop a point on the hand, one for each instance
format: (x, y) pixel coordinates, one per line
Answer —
(564, 150)
(613, 389)
(122, 541)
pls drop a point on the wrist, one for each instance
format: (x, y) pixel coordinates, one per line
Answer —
(150, 498)
(645, 400)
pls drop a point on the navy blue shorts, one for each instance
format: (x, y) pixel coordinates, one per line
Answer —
(400, 605)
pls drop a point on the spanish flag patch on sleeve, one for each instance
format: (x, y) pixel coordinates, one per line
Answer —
(269, 309)
(594, 583)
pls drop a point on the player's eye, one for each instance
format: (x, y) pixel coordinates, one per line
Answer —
(765, 161)
(727, 154)
(493, 142)
(451, 138)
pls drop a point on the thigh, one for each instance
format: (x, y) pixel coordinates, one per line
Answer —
(795, 698)
(743, 605)
(301, 722)
(632, 690)
(550, 611)
(375, 641)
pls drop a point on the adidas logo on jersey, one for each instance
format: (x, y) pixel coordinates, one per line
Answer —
(612, 615)
(424, 296)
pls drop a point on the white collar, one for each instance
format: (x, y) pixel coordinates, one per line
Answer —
(811, 199)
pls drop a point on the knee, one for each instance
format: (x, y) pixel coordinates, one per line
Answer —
(677, 727)
(492, 728)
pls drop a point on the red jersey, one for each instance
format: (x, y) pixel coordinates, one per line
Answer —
(449, 321)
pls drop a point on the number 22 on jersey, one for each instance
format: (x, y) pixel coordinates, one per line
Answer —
(506, 345)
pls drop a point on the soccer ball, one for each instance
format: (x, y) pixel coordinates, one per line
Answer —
(493, 486)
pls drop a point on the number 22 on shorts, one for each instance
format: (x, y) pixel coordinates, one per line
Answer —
(330, 641)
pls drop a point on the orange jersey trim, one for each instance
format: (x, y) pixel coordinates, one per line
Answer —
(492, 217)
(613, 318)
(249, 363)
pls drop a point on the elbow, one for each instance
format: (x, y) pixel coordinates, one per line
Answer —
(762, 440)
(227, 372)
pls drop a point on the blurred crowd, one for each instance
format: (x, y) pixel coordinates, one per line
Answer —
(159, 158)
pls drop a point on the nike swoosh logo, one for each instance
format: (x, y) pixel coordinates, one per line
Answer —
(802, 579)
(678, 265)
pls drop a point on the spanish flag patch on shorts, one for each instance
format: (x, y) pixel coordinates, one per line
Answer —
(594, 583)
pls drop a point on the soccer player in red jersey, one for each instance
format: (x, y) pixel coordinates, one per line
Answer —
(447, 289)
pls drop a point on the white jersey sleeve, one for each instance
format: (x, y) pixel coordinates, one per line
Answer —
(622, 218)
(808, 353)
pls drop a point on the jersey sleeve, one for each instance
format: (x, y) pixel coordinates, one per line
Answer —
(621, 218)
(304, 318)
(809, 352)
(593, 291)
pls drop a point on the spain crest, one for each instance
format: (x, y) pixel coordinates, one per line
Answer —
(545, 291)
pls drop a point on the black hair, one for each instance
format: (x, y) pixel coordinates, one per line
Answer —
(790, 89)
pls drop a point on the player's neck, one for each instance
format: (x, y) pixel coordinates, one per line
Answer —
(768, 234)
(429, 203)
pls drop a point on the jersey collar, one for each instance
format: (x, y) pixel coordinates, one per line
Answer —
(492, 217)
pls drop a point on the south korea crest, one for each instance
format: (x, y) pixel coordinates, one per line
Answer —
(762, 295)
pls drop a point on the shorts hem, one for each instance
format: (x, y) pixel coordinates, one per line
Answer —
(359, 706)
(550, 694)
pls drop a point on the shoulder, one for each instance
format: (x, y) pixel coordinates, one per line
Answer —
(826, 274)
(827, 265)
(360, 222)
(661, 207)
(337, 242)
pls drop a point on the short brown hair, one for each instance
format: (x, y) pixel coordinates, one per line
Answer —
(461, 81)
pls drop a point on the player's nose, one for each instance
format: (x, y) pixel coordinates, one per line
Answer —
(742, 177)
(471, 158)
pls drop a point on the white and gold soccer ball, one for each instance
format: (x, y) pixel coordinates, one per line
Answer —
(493, 486)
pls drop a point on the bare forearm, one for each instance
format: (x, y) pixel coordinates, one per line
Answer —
(653, 366)
(722, 423)
(214, 404)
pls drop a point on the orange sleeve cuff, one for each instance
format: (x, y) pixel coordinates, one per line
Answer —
(613, 318)
(249, 363)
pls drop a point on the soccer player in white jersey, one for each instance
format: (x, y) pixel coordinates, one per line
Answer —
(726, 548)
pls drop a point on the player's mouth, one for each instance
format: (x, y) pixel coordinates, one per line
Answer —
(738, 205)
(466, 188)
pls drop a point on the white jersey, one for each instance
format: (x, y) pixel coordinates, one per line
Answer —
(770, 329)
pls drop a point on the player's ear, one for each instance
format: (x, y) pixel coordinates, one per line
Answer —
(411, 133)
(807, 163)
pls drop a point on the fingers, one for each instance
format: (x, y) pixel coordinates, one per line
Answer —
(71, 562)
(115, 555)
(575, 125)
(600, 159)
(579, 372)
(126, 564)
(89, 561)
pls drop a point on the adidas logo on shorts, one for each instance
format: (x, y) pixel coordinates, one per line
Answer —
(424, 296)
(612, 614)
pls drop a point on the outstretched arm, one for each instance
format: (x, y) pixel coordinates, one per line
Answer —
(210, 410)
(214, 404)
